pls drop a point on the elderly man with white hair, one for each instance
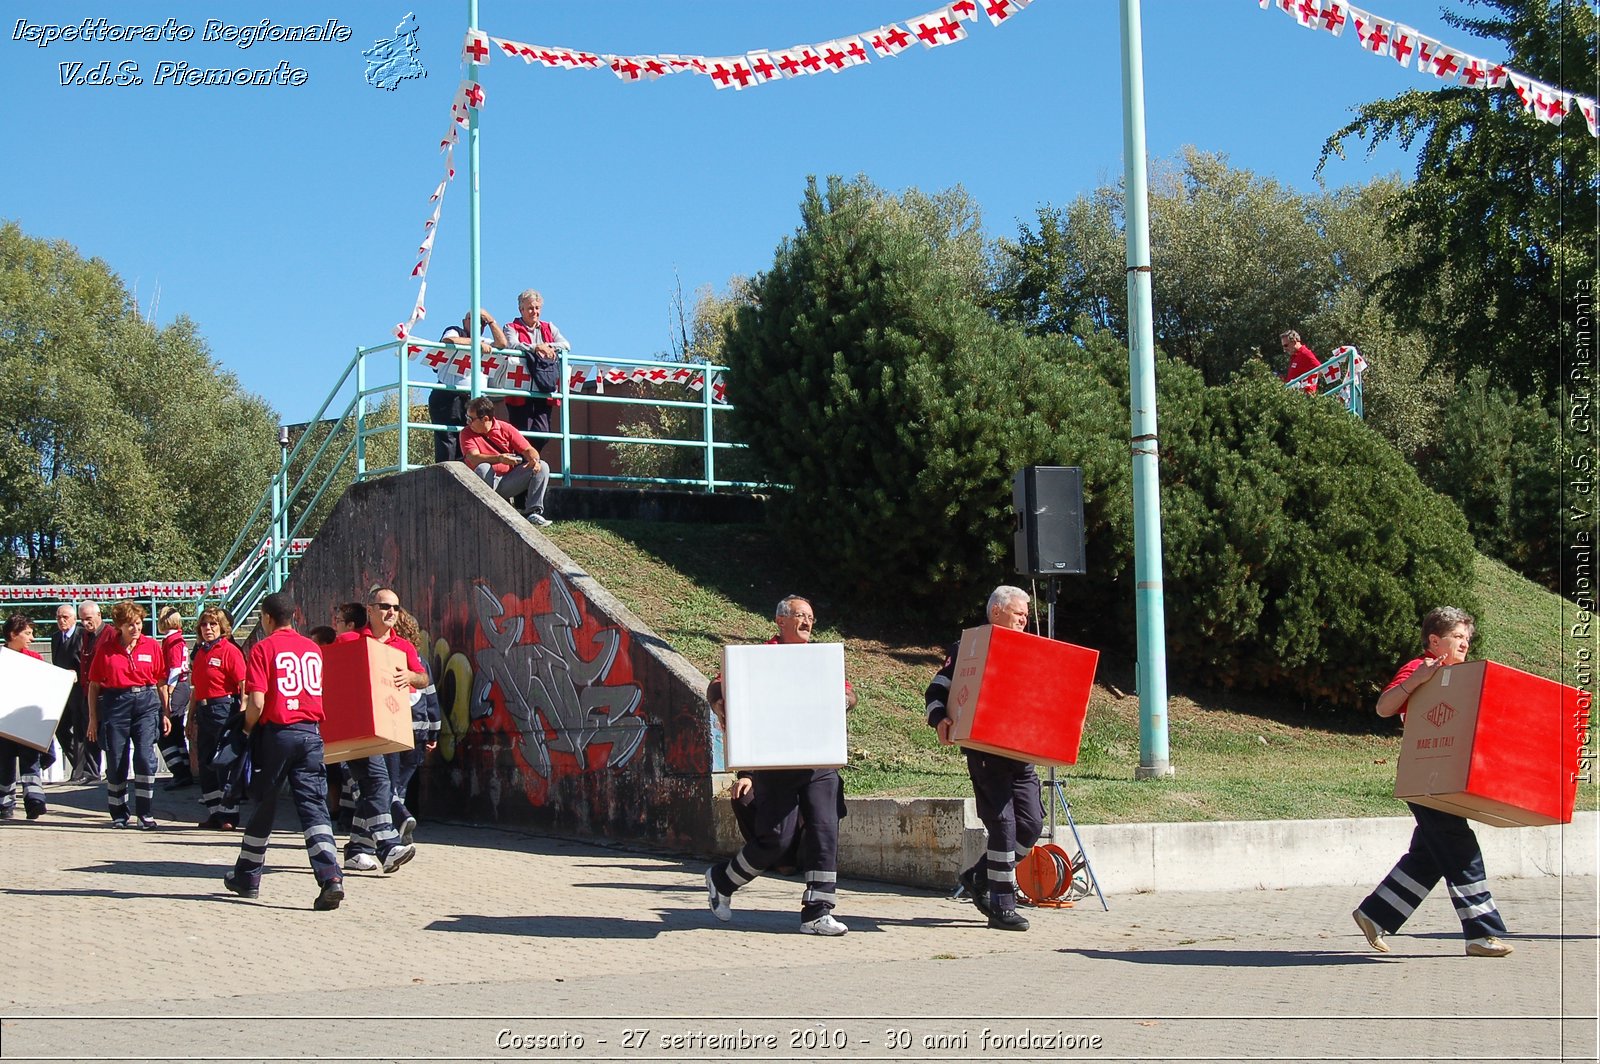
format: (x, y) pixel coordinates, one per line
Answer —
(1007, 790)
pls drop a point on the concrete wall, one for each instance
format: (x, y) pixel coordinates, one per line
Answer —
(563, 711)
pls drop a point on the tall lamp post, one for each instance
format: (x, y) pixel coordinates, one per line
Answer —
(1149, 601)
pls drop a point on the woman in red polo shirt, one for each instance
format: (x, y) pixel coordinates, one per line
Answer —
(217, 682)
(17, 760)
(128, 704)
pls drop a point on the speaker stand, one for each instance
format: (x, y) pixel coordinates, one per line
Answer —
(1054, 794)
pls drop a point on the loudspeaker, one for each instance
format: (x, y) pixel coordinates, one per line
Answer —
(1049, 505)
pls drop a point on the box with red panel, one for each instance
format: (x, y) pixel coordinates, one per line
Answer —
(365, 714)
(32, 695)
(1020, 695)
(1493, 744)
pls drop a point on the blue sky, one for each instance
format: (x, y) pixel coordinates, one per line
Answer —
(285, 219)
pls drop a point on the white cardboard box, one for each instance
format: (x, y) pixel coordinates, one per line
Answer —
(784, 705)
(32, 695)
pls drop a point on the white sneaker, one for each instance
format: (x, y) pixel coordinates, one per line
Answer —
(1488, 946)
(1370, 928)
(823, 925)
(539, 520)
(398, 856)
(408, 830)
(361, 862)
(720, 904)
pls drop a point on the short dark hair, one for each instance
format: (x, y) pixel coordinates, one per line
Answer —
(480, 406)
(352, 613)
(280, 607)
(17, 622)
(322, 635)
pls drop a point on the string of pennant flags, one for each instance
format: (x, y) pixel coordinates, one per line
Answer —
(501, 370)
(158, 589)
(942, 26)
(1395, 40)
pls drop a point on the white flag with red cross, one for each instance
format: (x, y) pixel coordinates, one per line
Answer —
(1335, 15)
(965, 10)
(843, 53)
(1403, 44)
(1498, 76)
(1373, 33)
(1523, 87)
(1438, 59)
(1474, 72)
(1001, 10)
(938, 28)
(475, 49)
(1551, 104)
(1588, 108)
(762, 66)
(889, 40)
(1308, 13)
(627, 68)
(730, 72)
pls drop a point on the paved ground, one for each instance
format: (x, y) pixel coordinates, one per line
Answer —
(498, 945)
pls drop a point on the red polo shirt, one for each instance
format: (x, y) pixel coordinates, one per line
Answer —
(116, 666)
(501, 438)
(218, 671)
(287, 668)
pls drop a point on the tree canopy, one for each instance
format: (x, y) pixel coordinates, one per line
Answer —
(1502, 206)
(126, 453)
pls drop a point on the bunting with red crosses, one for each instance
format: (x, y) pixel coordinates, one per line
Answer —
(1434, 59)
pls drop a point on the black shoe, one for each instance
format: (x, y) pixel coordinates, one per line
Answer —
(1008, 920)
(35, 811)
(239, 888)
(180, 784)
(976, 891)
(332, 894)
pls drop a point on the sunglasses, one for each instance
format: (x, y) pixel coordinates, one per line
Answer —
(386, 606)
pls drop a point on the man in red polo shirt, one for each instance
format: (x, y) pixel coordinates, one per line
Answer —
(1301, 360)
(283, 693)
(499, 454)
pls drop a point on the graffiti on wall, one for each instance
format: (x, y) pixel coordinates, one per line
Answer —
(547, 675)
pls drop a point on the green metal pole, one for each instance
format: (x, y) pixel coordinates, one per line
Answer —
(473, 219)
(1149, 604)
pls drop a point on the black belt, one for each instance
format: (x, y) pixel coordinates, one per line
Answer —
(120, 690)
(207, 703)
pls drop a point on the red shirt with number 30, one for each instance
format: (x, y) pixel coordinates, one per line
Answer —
(287, 668)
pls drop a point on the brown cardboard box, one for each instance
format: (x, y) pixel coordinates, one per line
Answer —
(364, 713)
(1493, 744)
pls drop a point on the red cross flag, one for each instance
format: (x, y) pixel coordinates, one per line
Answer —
(575, 381)
(842, 53)
(1335, 17)
(1403, 45)
(474, 94)
(476, 47)
(889, 40)
(1589, 115)
(938, 28)
(1474, 74)
(1000, 10)
(1437, 59)
(731, 71)
(1308, 13)
(438, 194)
(1497, 76)
(719, 391)
(966, 10)
(511, 48)
(681, 376)
(1523, 88)
(1550, 104)
(762, 66)
(788, 62)
(627, 68)
(421, 268)
(1373, 33)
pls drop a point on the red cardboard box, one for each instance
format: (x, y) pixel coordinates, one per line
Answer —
(366, 714)
(1493, 744)
(1020, 695)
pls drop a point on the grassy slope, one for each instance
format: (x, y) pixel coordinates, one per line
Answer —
(1237, 757)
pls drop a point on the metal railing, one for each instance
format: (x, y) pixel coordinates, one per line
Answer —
(1340, 377)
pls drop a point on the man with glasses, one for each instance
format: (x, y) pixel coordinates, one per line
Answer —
(374, 843)
(502, 457)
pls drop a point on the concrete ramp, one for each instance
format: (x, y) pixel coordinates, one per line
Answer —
(563, 711)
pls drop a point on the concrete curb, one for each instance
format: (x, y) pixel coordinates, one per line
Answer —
(926, 841)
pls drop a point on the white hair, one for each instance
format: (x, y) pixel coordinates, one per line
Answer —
(785, 607)
(1003, 596)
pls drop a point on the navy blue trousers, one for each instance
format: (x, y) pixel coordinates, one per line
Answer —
(129, 721)
(291, 752)
(1007, 797)
(817, 794)
(1442, 847)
